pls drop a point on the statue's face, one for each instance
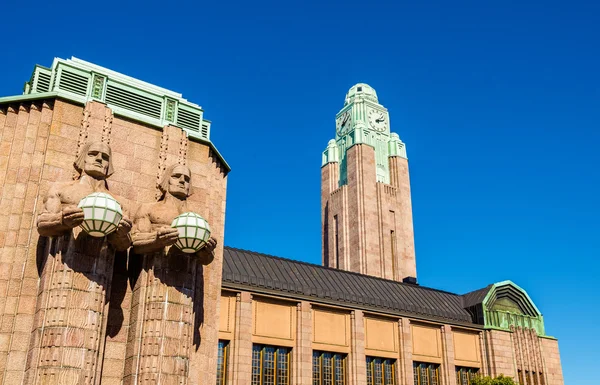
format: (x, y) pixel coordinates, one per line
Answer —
(179, 182)
(97, 161)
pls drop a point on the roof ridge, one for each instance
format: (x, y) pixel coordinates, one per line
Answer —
(342, 271)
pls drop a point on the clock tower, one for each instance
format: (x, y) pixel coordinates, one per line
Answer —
(366, 212)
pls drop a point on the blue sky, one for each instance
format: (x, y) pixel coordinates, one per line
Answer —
(498, 103)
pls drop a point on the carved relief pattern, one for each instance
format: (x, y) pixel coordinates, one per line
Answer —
(183, 147)
(83, 134)
(70, 321)
(107, 126)
(167, 319)
(162, 159)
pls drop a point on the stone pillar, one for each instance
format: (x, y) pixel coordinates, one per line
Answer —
(302, 357)
(485, 367)
(357, 361)
(448, 368)
(24, 131)
(329, 183)
(551, 357)
(406, 352)
(400, 179)
(363, 234)
(162, 328)
(242, 346)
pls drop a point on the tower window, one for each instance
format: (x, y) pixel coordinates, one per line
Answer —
(358, 89)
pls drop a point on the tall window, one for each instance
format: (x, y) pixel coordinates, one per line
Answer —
(336, 241)
(329, 368)
(426, 374)
(464, 376)
(520, 374)
(270, 365)
(222, 362)
(381, 371)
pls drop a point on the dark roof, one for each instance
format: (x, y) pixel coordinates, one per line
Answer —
(261, 272)
(475, 297)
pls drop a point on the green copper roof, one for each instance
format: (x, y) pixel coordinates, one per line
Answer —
(505, 304)
(79, 81)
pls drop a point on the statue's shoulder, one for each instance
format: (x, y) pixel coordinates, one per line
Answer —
(60, 187)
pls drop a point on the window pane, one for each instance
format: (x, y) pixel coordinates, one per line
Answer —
(389, 375)
(327, 362)
(222, 362)
(340, 375)
(378, 373)
(369, 371)
(268, 365)
(282, 366)
(316, 368)
(416, 373)
(256, 352)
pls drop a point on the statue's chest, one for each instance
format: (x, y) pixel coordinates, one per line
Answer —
(163, 216)
(72, 195)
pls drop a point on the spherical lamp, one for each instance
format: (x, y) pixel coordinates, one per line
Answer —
(102, 214)
(193, 232)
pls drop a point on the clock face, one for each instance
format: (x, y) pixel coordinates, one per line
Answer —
(378, 120)
(344, 123)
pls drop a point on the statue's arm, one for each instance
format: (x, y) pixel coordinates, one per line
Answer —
(55, 219)
(120, 238)
(147, 237)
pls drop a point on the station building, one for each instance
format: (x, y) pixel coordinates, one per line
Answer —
(246, 318)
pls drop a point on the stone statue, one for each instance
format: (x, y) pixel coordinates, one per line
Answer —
(152, 229)
(76, 272)
(61, 214)
(169, 288)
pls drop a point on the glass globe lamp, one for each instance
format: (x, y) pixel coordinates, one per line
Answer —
(193, 232)
(102, 214)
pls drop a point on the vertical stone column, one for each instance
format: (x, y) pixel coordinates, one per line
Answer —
(22, 149)
(448, 367)
(303, 355)
(357, 360)
(242, 347)
(400, 179)
(363, 236)
(485, 367)
(406, 352)
(161, 334)
(329, 183)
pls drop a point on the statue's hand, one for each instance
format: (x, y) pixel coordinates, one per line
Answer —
(210, 245)
(205, 254)
(167, 235)
(124, 227)
(72, 217)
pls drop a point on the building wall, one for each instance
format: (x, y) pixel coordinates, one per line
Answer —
(305, 326)
(38, 144)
